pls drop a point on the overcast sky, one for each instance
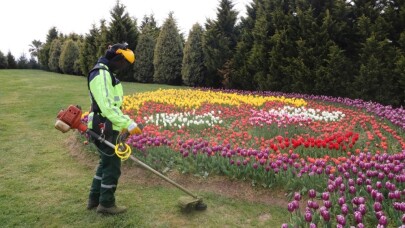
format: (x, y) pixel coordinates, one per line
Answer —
(22, 21)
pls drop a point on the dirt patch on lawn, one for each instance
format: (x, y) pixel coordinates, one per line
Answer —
(216, 184)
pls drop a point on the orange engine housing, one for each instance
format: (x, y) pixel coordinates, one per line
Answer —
(72, 117)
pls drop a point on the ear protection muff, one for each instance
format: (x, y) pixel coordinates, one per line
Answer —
(120, 50)
(128, 54)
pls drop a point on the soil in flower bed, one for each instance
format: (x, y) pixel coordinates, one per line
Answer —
(214, 184)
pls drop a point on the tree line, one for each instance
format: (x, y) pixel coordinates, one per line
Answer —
(341, 48)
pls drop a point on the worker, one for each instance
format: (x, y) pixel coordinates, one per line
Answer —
(107, 119)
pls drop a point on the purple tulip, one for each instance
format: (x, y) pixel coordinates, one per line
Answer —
(362, 200)
(377, 206)
(379, 214)
(342, 187)
(341, 200)
(391, 195)
(310, 204)
(374, 193)
(382, 220)
(312, 225)
(255, 166)
(397, 206)
(308, 216)
(362, 209)
(397, 194)
(352, 190)
(327, 203)
(358, 217)
(379, 197)
(284, 225)
(296, 204)
(341, 220)
(339, 181)
(325, 215)
(297, 196)
(245, 162)
(290, 207)
(345, 209)
(315, 205)
(355, 200)
(331, 188)
(389, 186)
(312, 193)
(360, 225)
(325, 196)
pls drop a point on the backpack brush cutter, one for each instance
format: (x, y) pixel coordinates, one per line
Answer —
(70, 118)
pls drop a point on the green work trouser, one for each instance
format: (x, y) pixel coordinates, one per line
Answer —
(108, 172)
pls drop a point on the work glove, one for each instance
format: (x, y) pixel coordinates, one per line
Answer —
(135, 129)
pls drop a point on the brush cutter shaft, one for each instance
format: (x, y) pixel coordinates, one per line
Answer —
(143, 165)
(162, 176)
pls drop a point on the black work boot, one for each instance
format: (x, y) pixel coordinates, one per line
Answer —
(111, 210)
(92, 204)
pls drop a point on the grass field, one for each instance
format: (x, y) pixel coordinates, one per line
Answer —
(43, 185)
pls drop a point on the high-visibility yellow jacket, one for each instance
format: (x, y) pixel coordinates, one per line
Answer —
(106, 94)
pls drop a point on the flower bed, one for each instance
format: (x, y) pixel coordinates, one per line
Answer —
(341, 155)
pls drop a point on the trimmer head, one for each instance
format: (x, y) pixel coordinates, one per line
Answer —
(187, 203)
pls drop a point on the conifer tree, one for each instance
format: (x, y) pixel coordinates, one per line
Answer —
(259, 55)
(219, 43)
(88, 53)
(101, 39)
(282, 48)
(68, 57)
(44, 52)
(22, 62)
(123, 29)
(11, 63)
(242, 75)
(326, 81)
(400, 69)
(168, 54)
(193, 70)
(143, 66)
(54, 55)
(3, 61)
(33, 64)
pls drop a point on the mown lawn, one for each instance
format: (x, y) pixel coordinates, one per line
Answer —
(43, 185)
